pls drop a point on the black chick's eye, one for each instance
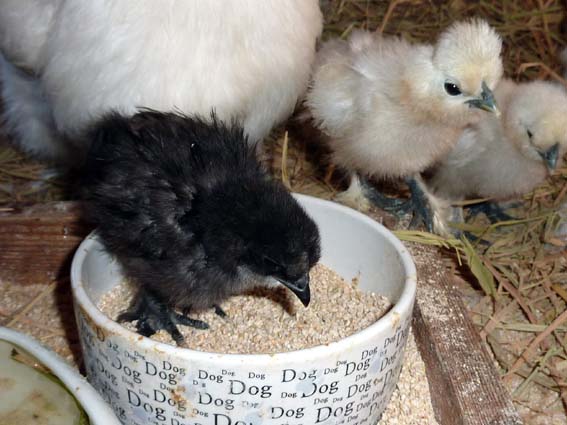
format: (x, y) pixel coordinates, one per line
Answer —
(272, 264)
(530, 134)
(452, 89)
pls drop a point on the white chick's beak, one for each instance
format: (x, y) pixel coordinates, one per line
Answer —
(486, 101)
(550, 156)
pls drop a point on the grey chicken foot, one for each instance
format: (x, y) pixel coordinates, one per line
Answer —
(491, 210)
(219, 311)
(153, 315)
(393, 205)
(417, 204)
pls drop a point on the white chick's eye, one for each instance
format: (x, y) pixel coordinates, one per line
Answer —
(452, 89)
(530, 134)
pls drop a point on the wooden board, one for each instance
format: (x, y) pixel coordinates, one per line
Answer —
(465, 386)
(37, 243)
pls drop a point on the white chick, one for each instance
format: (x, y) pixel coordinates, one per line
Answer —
(504, 158)
(392, 109)
(248, 60)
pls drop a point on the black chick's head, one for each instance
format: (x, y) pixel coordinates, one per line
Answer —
(283, 242)
(261, 227)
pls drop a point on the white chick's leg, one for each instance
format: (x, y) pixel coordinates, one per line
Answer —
(354, 196)
(455, 215)
(439, 211)
(491, 210)
(560, 233)
(27, 115)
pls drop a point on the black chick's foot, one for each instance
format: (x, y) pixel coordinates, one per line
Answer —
(417, 204)
(491, 210)
(153, 315)
(219, 311)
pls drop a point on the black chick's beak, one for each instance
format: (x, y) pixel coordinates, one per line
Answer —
(299, 287)
(486, 101)
(550, 156)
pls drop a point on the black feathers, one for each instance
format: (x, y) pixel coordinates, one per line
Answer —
(186, 207)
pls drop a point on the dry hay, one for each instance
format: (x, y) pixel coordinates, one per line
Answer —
(23, 181)
(520, 302)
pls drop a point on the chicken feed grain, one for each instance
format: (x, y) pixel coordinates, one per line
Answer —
(272, 320)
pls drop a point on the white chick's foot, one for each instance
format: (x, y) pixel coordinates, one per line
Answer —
(455, 215)
(442, 213)
(435, 212)
(423, 205)
(386, 203)
(354, 197)
(558, 240)
(491, 210)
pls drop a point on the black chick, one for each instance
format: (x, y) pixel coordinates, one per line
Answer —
(189, 212)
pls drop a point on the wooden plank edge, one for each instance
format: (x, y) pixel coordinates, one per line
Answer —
(37, 243)
(466, 388)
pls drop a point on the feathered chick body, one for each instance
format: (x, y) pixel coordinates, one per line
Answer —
(503, 158)
(190, 213)
(248, 59)
(392, 108)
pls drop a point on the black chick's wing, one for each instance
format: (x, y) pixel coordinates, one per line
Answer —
(139, 186)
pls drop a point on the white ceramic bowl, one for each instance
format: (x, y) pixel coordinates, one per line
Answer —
(97, 410)
(349, 381)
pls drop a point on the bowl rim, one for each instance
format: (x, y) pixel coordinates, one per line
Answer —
(98, 411)
(392, 318)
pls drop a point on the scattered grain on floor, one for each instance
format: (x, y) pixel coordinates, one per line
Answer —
(273, 320)
(50, 320)
(411, 401)
(432, 300)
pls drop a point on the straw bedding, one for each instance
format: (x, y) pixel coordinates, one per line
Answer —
(517, 291)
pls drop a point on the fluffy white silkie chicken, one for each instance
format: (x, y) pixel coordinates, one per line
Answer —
(506, 157)
(392, 109)
(246, 59)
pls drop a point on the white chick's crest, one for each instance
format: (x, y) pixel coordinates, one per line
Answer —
(470, 50)
(466, 61)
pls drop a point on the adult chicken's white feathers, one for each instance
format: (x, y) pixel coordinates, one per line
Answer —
(247, 59)
(24, 27)
(506, 157)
